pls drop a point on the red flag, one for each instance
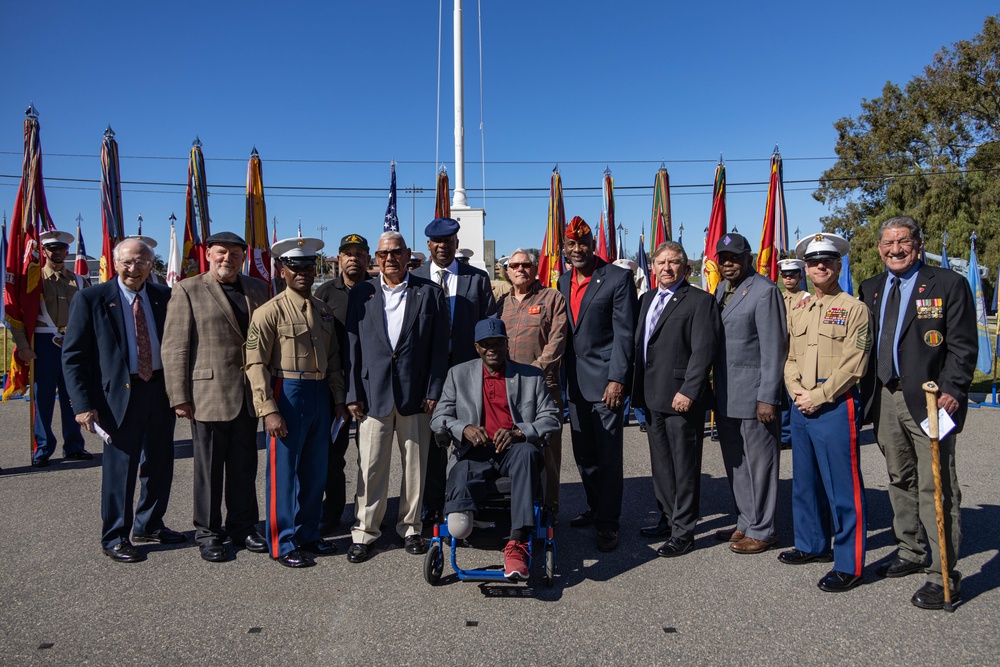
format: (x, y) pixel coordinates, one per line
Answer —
(608, 191)
(442, 205)
(23, 287)
(602, 241)
(550, 264)
(710, 275)
(767, 258)
(112, 225)
(259, 250)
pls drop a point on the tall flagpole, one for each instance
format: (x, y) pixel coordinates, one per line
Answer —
(459, 201)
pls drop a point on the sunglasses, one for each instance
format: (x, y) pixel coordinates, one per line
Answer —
(519, 265)
(395, 252)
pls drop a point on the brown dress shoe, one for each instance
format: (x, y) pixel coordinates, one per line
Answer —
(749, 545)
(729, 535)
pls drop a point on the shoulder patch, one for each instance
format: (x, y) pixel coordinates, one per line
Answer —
(253, 336)
(864, 341)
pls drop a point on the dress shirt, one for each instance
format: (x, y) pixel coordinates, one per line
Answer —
(661, 293)
(451, 278)
(906, 284)
(536, 327)
(128, 298)
(395, 307)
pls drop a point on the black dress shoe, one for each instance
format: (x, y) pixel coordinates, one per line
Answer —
(643, 427)
(124, 552)
(414, 544)
(675, 546)
(320, 547)
(931, 596)
(607, 540)
(582, 519)
(838, 582)
(296, 559)
(796, 557)
(899, 567)
(661, 529)
(213, 550)
(255, 543)
(163, 536)
(358, 553)
(82, 455)
(42, 462)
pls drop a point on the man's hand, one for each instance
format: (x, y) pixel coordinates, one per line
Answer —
(477, 435)
(948, 402)
(25, 354)
(357, 410)
(428, 405)
(185, 410)
(340, 410)
(275, 426)
(614, 395)
(765, 413)
(505, 437)
(681, 403)
(803, 402)
(803, 302)
(87, 420)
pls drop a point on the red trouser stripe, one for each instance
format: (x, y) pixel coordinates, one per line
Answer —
(273, 500)
(859, 552)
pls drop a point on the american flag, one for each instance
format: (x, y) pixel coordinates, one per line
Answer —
(391, 223)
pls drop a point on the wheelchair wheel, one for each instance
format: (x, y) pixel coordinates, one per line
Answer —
(433, 563)
(550, 565)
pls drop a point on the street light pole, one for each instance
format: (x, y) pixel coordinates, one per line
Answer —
(322, 261)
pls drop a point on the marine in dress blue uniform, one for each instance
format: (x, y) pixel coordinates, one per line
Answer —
(830, 341)
(293, 364)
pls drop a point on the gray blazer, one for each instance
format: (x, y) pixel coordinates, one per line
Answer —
(749, 365)
(461, 403)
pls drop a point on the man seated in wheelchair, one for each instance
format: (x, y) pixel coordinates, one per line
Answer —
(498, 414)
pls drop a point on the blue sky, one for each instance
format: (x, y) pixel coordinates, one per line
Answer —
(330, 92)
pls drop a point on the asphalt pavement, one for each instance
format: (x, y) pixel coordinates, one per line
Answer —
(62, 602)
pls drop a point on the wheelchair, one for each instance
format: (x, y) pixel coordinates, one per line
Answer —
(492, 518)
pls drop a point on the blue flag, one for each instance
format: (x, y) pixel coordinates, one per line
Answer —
(391, 223)
(984, 362)
(642, 262)
(846, 281)
(945, 264)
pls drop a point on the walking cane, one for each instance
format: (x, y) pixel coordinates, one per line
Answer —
(931, 390)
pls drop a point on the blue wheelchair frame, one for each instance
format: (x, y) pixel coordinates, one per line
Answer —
(434, 560)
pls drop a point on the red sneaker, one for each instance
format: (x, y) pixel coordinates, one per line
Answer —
(515, 560)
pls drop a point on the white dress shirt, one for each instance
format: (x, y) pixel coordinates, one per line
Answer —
(395, 307)
(451, 278)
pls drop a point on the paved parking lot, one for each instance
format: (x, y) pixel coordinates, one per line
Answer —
(63, 602)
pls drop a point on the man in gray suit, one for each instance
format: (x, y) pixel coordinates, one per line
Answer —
(500, 413)
(749, 385)
(206, 328)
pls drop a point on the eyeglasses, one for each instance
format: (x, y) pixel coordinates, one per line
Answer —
(519, 265)
(395, 252)
(135, 263)
(903, 243)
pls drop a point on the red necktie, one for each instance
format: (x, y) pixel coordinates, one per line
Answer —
(145, 353)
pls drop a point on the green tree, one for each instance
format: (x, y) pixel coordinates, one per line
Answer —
(929, 149)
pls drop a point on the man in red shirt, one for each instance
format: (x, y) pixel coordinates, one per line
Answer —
(499, 413)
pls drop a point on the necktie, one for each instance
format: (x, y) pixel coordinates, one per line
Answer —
(144, 352)
(657, 310)
(887, 334)
(443, 282)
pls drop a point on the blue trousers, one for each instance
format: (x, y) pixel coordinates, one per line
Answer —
(296, 465)
(49, 378)
(828, 494)
(467, 480)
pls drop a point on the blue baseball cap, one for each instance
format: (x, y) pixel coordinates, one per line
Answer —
(491, 327)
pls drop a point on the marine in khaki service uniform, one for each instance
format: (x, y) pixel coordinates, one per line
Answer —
(293, 364)
(59, 284)
(792, 271)
(829, 345)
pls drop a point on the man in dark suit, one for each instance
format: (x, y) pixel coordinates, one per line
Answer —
(749, 390)
(469, 299)
(114, 377)
(397, 332)
(599, 355)
(353, 260)
(676, 340)
(204, 358)
(925, 330)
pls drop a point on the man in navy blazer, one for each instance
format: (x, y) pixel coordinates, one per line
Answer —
(468, 295)
(397, 339)
(599, 354)
(114, 377)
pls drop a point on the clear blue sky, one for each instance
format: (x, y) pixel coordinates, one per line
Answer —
(580, 83)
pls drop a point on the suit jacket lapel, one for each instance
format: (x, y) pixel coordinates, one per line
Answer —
(476, 382)
(672, 303)
(414, 297)
(513, 392)
(114, 308)
(222, 300)
(375, 309)
(597, 279)
(741, 291)
(923, 288)
(875, 301)
(158, 304)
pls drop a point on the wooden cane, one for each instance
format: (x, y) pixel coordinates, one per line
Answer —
(931, 391)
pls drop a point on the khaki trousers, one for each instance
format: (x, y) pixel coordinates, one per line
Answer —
(375, 435)
(911, 488)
